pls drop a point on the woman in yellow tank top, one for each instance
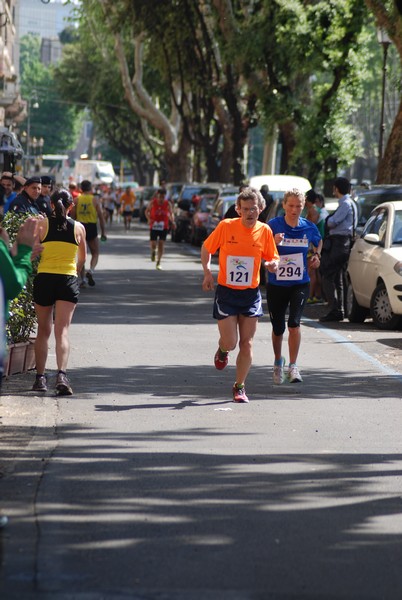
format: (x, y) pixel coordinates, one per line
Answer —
(56, 287)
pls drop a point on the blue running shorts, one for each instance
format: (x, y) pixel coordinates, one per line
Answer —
(229, 302)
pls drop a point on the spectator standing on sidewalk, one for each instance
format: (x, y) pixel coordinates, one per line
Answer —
(159, 214)
(26, 200)
(88, 210)
(288, 288)
(15, 269)
(242, 243)
(336, 250)
(56, 287)
(7, 182)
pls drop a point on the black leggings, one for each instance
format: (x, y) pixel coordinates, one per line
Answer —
(279, 298)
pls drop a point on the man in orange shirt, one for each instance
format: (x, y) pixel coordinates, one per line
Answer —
(242, 243)
(127, 201)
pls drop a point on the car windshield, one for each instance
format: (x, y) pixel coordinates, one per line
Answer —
(206, 204)
(189, 191)
(367, 202)
(397, 230)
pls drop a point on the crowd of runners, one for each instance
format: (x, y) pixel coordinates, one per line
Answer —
(287, 251)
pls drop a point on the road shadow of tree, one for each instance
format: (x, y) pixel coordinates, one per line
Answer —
(114, 519)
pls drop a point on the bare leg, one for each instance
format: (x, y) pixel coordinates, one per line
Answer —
(44, 316)
(63, 315)
(294, 343)
(247, 329)
(94, 250)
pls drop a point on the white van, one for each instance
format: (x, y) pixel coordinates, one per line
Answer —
(280, 183)
(98, 172)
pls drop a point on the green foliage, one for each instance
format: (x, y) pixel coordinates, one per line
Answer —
(22, 321)
(37, 84)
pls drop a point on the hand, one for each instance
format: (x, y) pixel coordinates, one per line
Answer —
(36, 250)
(103, 238)
(4, 236)
(272, 266)
(279, 238)
(208, 284)
(314, 261)
(28, 232)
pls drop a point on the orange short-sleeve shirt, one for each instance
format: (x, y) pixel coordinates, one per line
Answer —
(240, 252)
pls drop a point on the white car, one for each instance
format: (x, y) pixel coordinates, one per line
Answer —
(375, 269)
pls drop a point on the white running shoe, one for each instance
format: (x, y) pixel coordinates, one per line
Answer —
(279, 372)
(294, 375)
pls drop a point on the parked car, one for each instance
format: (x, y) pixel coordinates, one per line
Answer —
(226, 198)
(144, 195)
(200, 218)
(185, 208)
(367, 199)
(173, 191)
(374, 273)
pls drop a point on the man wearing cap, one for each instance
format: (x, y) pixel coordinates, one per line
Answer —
(6, 181)
(43, 200)
(26, 201)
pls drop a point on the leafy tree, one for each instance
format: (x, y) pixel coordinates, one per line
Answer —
(83, 77)
(54, 119)
(388, 15)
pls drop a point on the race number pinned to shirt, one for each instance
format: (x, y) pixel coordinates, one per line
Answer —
(158, 226)
(290, 267)
(239, 270)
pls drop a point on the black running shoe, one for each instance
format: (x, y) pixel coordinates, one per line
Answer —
(40, 384)
(91, 280)
(63, 387)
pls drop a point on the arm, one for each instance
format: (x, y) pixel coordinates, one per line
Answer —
(101, 218)
(148, 212)
(338, 216)
(208, 282)
(315, 259)
(82, 246)
(14, 273)
(171, 216)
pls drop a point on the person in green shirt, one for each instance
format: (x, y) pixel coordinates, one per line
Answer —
(15, 268)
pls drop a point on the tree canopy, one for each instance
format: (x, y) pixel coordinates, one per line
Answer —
(194, 76)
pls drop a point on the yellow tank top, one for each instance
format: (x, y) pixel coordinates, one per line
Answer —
(59, 249)
(85, 212)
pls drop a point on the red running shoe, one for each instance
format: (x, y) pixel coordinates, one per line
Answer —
(221, 359)
(239, 393)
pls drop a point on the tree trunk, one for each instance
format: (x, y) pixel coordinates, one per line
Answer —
(287, 138)
(178, 164)
(390, 167)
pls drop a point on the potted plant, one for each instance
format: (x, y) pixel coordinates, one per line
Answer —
(21, 324)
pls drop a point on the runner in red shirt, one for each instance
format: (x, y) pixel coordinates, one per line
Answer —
(159, 214)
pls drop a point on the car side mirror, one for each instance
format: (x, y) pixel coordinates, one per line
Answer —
(372, 238)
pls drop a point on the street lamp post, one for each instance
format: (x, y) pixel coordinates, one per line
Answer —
(385, 41)
(32, 103)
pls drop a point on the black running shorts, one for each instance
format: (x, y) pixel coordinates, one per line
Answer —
(48, 288)
(91, 231)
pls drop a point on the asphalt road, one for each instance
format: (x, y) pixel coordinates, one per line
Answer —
(149, 483)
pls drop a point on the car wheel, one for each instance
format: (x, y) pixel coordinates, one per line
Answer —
(354, 312)
(380, 309)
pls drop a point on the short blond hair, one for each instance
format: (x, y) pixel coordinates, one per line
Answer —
(294, 192)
